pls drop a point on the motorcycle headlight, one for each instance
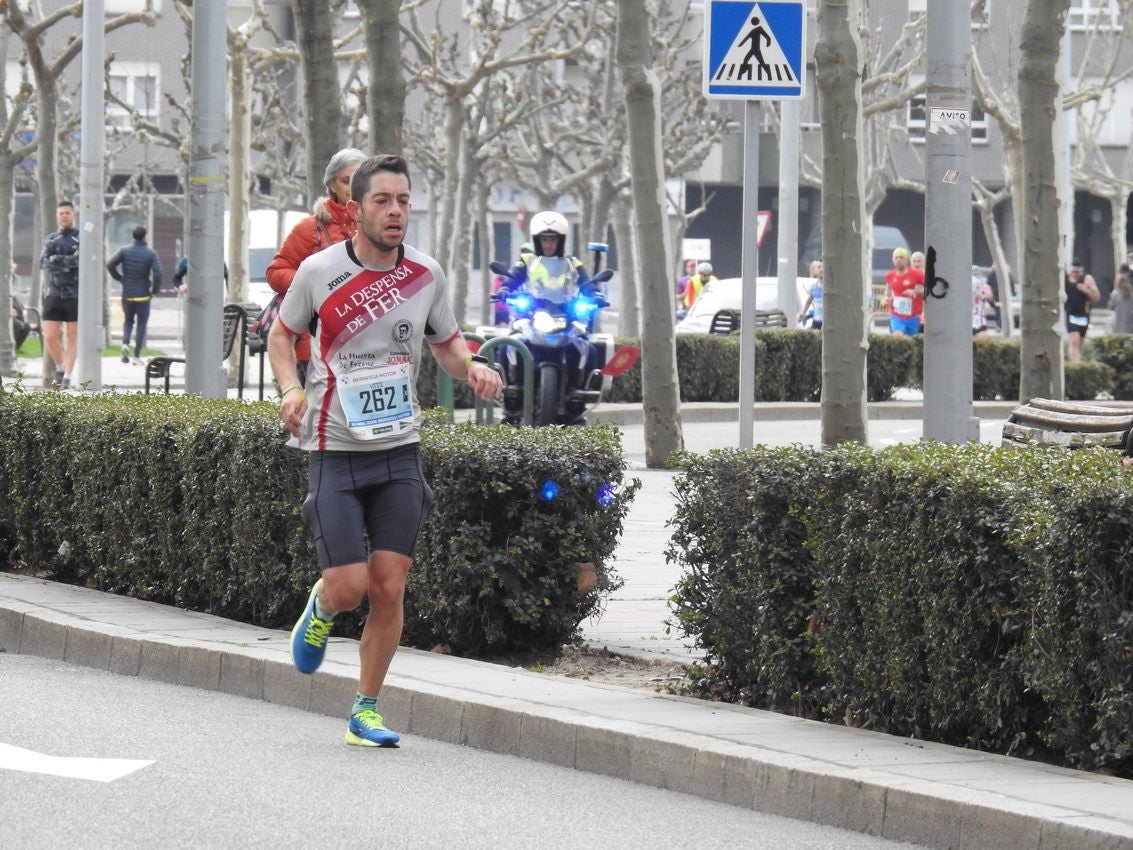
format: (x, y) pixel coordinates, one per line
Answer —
(582, 308)
(521, 302)
(545, 323)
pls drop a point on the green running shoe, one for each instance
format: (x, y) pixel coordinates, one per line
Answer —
(309, 637)
(367, 729)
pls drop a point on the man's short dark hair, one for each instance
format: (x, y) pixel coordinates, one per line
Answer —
(360, 182)
(139, 232)
(64, 204)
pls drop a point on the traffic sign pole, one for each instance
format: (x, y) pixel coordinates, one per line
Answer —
(754, 51)
(749, 270)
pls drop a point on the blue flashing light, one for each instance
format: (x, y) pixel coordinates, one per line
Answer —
(550, 490)
(581, 308)
(521, 302)
(606, 496)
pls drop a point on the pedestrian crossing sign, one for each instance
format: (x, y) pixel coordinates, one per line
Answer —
(754, 51)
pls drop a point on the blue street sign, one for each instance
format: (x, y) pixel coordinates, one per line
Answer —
(754, 50)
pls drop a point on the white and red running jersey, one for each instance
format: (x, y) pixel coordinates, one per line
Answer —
(365, 344)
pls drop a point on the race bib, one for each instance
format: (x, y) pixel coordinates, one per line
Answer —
(1081, 321)
(377, 400)
(902, 305)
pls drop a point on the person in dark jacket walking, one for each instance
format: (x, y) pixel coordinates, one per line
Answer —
(61, 301)
(138, 269)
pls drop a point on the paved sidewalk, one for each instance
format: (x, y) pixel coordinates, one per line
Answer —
(901, 789)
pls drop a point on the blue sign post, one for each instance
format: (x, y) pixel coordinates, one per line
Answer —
(754, 50)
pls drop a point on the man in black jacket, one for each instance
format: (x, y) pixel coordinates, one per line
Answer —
(138, 269)
(61, 301)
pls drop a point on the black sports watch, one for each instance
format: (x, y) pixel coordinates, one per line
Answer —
(479, 358)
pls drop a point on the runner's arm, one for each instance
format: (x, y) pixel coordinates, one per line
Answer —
(281, 355)
(456, 359)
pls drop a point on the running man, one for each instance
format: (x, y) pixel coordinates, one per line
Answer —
(373, 300)
(904, 287)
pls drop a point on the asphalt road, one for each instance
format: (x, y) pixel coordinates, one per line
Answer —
(221, 771)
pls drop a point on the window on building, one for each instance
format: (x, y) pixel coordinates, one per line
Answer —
(125, 7)
(918, 119)
(918, 9)
(136, 84)
(1095, 14)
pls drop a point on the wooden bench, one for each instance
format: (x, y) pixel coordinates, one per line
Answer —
(236, 323)
(1070, 425)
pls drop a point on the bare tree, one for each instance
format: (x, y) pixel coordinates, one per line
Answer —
(837, 55)
(1044, 23)
(660, 388)
(510, 36)
(385, 94)
(13, 120)
(322, 95)
(46, 74)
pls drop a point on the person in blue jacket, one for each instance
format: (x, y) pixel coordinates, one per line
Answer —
(138, 269)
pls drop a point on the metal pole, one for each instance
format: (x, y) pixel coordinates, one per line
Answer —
(788, 245)
(88, 365)
(948, 413)
(204, 371)
(749, 271)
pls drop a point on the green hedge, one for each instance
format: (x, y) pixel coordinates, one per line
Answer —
(196, 503)
(789, 368)
(1115, 351)
(976, 596)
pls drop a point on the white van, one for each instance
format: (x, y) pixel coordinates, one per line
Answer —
(727, 294)
(266, 231)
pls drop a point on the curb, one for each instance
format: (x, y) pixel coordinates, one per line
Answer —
(853, 779)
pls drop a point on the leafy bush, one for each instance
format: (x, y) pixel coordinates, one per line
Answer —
(1115, 351)
(197, 503)
(747, 593)
(995, 369)
(971, 595)
(890, 363)
(498, 556)
(1086, 380)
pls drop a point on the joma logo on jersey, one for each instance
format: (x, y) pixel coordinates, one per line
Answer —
(342, 278)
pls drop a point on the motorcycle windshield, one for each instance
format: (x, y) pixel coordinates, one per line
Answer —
(555, 281)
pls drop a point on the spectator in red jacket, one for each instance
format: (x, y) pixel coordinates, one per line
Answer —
(330, 223)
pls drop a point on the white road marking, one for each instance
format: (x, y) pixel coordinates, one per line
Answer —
(95, 769)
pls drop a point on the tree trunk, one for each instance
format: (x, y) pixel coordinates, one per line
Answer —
(629, 316)
(454, 126)
(239, 175)
(7, 202)
(660, 390)
(1041, 343)
(844, 224)
(322, 95)
(462, 230)
(385, 94)
(484, 244)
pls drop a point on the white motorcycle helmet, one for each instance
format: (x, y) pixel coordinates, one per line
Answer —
(704, 268)
(549, 223)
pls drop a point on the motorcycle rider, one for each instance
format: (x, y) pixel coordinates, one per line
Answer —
(548, 239)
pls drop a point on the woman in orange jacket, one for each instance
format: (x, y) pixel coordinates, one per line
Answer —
(330, 223)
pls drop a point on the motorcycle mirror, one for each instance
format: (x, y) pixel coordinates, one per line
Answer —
(499, 268)
(603, 276)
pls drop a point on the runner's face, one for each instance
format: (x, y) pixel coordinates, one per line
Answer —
(900, 262)
(65, 216)
(383, 214)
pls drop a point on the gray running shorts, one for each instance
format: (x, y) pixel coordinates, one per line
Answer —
(358, 498)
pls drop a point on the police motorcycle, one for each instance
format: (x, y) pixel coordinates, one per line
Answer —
(552, 304)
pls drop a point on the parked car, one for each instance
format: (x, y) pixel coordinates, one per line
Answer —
(727, 294)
